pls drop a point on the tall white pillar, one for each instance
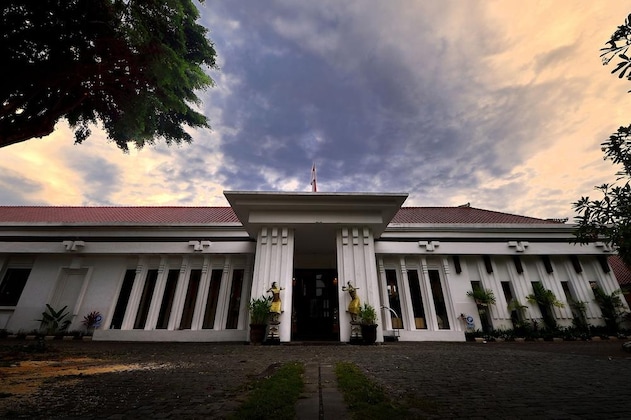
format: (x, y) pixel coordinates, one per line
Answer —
(134, 297)
(356, 264)
(274, 262)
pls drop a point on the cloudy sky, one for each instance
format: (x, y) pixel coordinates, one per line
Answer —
(502, 104)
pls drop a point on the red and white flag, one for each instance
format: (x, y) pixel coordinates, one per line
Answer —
(314, 186)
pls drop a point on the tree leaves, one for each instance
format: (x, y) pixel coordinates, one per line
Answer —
(608, 219)
(132, 66)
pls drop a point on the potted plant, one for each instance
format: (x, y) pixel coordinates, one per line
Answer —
(483, 299)
(368, 323)
(259, 311)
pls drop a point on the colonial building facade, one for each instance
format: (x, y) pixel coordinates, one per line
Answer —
(188, 273)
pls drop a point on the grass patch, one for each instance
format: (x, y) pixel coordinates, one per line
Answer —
(274, 397)
(364, 398)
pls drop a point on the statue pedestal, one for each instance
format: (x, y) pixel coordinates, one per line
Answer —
(356, 333)
(273, 335)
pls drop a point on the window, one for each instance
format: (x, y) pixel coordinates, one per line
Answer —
(483, 310)
(191, 298)
(604, 264)
(145, 300)
(487, 263)
(235, 300)
(123, 299)
(213, 297)
(514, 306)
(12, 285)
(576, 306)
(439, 300)
(394, 298)
(167, 300)
(576, 263)
(508, 293)
(518, 266)
(417, 300)
(457, 264)
(547, 264)
(566, 291)
(594, 285)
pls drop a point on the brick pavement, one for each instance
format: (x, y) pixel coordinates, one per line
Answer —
(442, 380)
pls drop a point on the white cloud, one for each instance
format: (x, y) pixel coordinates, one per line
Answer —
(500, 104)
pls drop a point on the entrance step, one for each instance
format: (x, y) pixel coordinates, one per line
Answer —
(315, 343)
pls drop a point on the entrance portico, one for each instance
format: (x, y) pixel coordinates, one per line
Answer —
(330, 232)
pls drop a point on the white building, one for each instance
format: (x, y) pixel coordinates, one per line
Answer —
(187, 273)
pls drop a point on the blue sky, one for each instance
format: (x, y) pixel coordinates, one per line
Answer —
(501, 104)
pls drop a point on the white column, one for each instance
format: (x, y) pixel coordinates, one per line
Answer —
(407, 312)
(274, 262)
(356, 264)
(247, 291)
(499, 311)
(202, 295)
(158, 293)
(521, 288)
(180, 295)
(134, 298)
(583, 290)
(426, 290)
(224, 296)
(551, 281)
(449, 303)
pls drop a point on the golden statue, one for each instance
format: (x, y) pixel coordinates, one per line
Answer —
(275, 308)
(353, 306)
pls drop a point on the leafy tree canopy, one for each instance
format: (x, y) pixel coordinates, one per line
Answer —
(131, 65)
(609, 218)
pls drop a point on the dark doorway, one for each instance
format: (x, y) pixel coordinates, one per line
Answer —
(315, 301)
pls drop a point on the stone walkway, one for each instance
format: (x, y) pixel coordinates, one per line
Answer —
(568, 380)
(321, 398)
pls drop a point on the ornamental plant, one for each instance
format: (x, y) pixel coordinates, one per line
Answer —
(259, 310)
(367, 315)
(92, 320)
(53, 321)
(483, 299)
(545, 299)
(579, 309)
(611, 307)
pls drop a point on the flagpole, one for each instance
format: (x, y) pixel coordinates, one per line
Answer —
(314, 182)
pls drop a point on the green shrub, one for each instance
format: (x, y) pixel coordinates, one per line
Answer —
(54, 322)
(367, 315)
(259, 310)
(611, 307)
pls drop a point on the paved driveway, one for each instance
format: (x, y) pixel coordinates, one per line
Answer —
(458, 380)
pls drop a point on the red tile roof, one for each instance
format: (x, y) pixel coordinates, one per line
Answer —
(463, 214)
(135, 215)
(204, 215)
(621, 271)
